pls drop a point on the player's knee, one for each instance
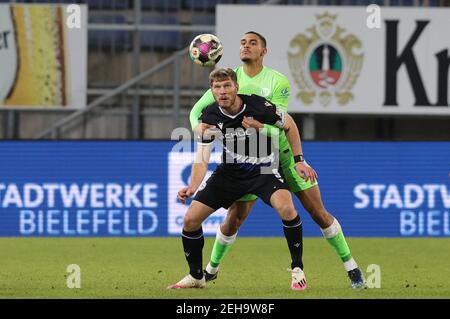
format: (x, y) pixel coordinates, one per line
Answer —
(287, 211)
(228, 230)
(190, 223)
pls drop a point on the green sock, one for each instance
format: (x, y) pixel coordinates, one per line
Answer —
(339, 244)
(221, 247)
(335, 237)
(218, 253)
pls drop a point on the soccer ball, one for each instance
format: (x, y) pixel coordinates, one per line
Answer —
(206, 50)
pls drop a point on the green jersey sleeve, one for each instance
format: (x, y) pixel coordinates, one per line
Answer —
(196, 112)
(280, 98)
(281, 92)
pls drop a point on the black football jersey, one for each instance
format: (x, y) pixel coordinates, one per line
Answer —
(244, 149)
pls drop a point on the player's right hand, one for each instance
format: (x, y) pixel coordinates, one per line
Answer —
(185, 193)
(306, 171)
(201, 128)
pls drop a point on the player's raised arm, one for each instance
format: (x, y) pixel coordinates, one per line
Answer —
(198, 108)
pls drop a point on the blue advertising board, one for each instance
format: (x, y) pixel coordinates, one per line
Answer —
(121, 188)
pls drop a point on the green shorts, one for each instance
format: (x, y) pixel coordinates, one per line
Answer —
(295, 182)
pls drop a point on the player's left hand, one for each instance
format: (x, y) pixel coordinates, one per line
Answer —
(306, 171)
(248, 122)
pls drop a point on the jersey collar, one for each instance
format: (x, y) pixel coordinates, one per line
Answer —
(235, 115)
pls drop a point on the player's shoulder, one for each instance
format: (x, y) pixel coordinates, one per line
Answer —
(276, 74)
(211, 109)
(255, 100)
(239, 71)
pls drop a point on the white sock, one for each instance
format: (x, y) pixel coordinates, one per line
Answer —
(350, 265)
(212, 270)
(332, 230)
(223, 239)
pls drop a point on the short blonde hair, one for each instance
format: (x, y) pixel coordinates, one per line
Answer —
(222, 74)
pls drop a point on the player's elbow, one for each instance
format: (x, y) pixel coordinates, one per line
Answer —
(287, 126)
(290, 123)
(193, 120)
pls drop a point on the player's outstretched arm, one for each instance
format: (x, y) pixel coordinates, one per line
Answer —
(293, 136)
(198, 108)
(199, 169)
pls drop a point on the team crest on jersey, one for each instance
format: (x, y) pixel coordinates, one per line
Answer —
(265, 92)
(326, 62)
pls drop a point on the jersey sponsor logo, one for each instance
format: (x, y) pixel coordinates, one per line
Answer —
(240, 133)
(285, 92)
(317, 62)
(180, 166)
(240, 158)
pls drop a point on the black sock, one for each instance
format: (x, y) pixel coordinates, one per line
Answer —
(293, 231)
(193, 246)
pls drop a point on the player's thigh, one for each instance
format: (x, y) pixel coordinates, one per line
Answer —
(281, 201)
(273, 190)
(239, 210)
(196, 214)
(295, 182)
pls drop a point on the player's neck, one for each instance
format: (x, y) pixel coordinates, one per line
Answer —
(253, 68)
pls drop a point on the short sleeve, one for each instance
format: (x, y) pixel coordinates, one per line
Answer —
(274, 115)
(281, 93)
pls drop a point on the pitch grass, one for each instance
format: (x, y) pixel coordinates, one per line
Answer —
(255, 268)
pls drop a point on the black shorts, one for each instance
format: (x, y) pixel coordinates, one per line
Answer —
(225, 186)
